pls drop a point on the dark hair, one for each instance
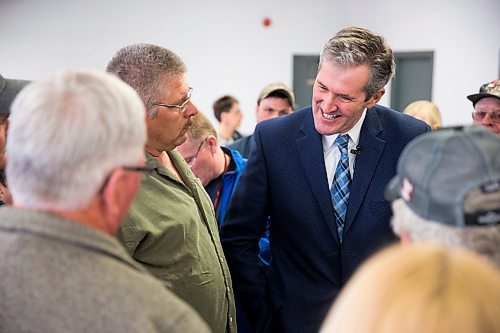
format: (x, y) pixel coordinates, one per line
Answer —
(279, 93)
(223, 104)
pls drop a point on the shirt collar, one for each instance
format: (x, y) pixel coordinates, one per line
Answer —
(354, 132)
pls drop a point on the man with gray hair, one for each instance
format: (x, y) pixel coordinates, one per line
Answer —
(324, 222)
(486, 105)
(75, 153)
(447, 190)
(171, 228)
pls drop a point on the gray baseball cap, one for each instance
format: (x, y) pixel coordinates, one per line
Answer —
(8, 91)
(451, 176)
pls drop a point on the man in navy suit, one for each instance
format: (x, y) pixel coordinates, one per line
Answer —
(289, 177)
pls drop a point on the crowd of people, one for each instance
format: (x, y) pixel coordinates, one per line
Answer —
(125, 210)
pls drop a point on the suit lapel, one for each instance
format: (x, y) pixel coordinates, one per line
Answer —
(310, 150)
(372, 147)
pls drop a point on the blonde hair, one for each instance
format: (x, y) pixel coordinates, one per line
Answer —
(200, 128)
(425, 111)
(419, 288)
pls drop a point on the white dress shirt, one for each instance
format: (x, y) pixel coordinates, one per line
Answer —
(332, 152)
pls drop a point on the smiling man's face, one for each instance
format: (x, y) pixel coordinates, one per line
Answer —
(339, 98)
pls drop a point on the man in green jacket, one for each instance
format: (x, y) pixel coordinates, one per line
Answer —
(171, 228)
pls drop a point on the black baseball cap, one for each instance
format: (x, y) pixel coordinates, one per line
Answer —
(8, 90)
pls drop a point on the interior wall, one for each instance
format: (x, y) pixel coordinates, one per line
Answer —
(228, 50)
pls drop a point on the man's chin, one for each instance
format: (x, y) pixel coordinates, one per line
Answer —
(324, 127)
(181, 139)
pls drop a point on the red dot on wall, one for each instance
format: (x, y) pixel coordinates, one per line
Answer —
(266, 22)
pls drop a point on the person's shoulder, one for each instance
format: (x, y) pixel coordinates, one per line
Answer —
(281, 131)
(388, 114)
(148, 206)
(243, 145)
(240, 143)
(237, 157)
(288, 122)
(397, 122)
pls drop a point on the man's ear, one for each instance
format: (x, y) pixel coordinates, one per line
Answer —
(112, 199)
(375, 98)
(404, 237)
(212, 143)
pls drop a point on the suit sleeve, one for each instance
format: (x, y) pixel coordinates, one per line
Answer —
(245, 223)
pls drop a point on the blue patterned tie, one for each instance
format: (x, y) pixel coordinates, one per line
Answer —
(340, 186)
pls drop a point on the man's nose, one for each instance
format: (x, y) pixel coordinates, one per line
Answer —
(487, 120)
(330, 102)
(191, 109)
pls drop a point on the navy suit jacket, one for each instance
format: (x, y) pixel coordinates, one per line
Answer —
(285, 178)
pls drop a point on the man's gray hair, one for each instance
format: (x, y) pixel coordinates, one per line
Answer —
(67, 134)
(484, 240)
(147, 68)
(356, 46)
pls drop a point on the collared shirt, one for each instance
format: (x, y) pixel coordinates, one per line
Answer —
(332, 153)
(172, 231)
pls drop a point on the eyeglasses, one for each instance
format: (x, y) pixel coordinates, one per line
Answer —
(190, 160)
(480, 115)
(181, 108)
(144, 170)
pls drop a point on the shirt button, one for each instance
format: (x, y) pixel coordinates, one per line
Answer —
(230, 319)
(221, 259)
(228, 289)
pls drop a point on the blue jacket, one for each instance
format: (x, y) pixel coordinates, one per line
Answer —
(229, 182)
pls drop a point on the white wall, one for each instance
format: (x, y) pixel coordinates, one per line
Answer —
(227, 49)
